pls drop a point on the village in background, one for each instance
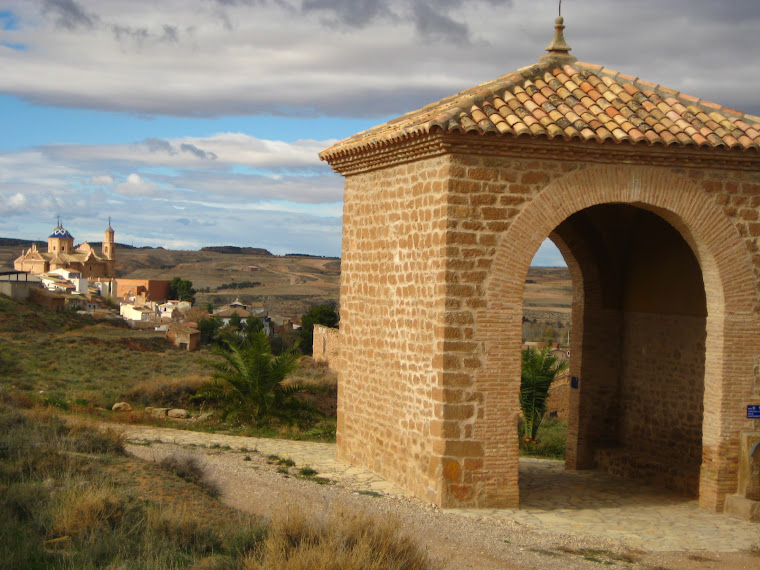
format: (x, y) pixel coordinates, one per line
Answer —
(110, 280)
(180, 292)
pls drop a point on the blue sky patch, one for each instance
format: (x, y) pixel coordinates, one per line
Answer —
(8, 20)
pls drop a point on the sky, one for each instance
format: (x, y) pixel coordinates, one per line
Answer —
(198, 122)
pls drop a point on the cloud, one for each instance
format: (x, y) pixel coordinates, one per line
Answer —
(278, 62)
(14, 204)
(350, 13)
(336, 57)
(102, 180)
(434, 25)
(135, 186)
(192, 149)
(69, 15)
(246, 196)
(222, 150)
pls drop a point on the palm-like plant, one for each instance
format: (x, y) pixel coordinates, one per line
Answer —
(249, 382)
(539, 369)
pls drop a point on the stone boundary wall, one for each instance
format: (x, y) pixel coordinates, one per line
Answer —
(558, 401)
(326, 347)
(18, 290)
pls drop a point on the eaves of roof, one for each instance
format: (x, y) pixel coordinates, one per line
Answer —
(569, 100)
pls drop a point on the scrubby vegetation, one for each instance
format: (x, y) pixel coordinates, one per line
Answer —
(249, 383)
(71, 498)
(344, 539)
(74, 363)
(539, 369)
(238, 285)
(550, 440)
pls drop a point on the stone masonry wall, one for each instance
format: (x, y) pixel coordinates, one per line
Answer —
(661, 398)
(430, 337)
(392, 307)
(326, 345)
(558, 400)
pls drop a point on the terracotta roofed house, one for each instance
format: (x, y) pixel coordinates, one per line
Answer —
(653, 198)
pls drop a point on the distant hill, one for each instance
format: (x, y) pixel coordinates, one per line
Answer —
(232, 249)
(13, 242)
(310, 255)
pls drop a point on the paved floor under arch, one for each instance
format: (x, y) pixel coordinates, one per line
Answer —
(572, 502)
(596, 504)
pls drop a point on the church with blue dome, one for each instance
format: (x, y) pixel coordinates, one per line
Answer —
(61, 254)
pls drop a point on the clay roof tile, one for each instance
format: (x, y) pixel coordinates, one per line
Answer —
(575, 100)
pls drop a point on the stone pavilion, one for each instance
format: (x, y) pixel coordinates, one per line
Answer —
(653, 198)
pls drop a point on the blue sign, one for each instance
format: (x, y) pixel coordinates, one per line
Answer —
(753, 412)
(575, 381)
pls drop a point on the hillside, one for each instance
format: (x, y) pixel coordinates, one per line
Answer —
(288, 285)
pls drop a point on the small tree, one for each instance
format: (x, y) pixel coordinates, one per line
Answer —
(182, 289)
(539, 369)
(209, 329)
(252, 326)
(249, 382)
(319, 315)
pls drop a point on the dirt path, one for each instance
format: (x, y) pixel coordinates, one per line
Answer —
(249, 481)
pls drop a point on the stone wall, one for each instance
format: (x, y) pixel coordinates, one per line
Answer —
(435, 254)
(558, 401)
(392, 310)
(662, 393)
(325, 346)
(18, 290)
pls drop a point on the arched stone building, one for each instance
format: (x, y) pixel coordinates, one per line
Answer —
(652, 196)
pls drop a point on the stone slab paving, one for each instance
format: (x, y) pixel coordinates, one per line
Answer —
(553, 500)
(594, 504)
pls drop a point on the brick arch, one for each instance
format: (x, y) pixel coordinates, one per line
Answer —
(731, 298)
(713, 238)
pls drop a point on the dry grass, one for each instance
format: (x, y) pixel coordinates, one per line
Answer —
(163, 390)
(344, 540)
(322, 383)
(189, 468)
(69, 498)
(312, 373)
(83, 508)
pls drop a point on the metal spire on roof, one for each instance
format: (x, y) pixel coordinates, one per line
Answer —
(559, 50)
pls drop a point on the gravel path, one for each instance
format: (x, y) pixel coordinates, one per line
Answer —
(249, 481)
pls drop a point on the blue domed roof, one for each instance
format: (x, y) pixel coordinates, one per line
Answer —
(59, 232)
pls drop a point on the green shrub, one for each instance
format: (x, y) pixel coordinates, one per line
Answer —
(249, 383)
(550, 440)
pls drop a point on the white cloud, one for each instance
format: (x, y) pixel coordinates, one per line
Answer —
(135, 186)
(104, 180)
(311, 57)
(218, 151)
(17, 200)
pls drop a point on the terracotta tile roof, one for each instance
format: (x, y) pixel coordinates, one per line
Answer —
(571, 101)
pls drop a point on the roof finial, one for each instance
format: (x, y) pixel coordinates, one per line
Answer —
(558, 49)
